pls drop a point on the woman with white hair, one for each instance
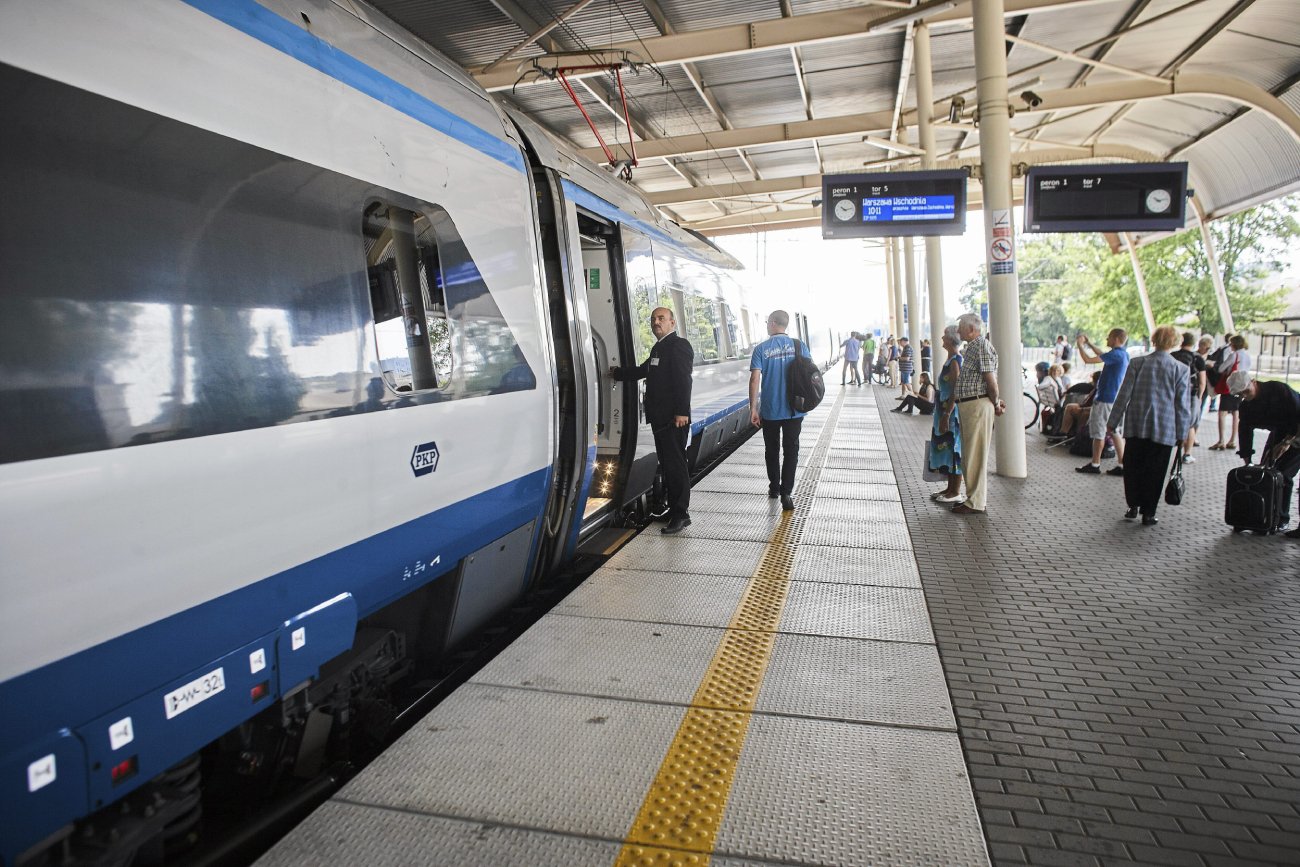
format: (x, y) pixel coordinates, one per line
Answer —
(1154, 407)
(945, 440)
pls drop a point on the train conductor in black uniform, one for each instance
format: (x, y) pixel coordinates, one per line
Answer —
(667, 374)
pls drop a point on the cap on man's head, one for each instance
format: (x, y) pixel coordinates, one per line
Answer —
(1239, 381)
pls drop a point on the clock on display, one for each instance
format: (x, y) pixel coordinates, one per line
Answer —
(1158, 201)
(845, 210)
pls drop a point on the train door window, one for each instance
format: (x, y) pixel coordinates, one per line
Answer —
(727, 330)
(437, 326)
(745, 318)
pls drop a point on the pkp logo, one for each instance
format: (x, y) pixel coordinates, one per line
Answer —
(424, 459)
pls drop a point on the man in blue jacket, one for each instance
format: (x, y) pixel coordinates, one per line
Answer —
(769, 407)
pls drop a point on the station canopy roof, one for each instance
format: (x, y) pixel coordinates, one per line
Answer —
(743, 104)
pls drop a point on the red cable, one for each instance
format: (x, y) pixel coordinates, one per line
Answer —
(609, 155)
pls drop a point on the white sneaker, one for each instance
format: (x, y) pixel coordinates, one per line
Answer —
(956, 498)
(1189, 459)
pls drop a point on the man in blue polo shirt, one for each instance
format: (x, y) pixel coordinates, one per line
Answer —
(1114, 363)
(768, 368)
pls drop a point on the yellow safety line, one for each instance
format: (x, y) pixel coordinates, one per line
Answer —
(682, 812)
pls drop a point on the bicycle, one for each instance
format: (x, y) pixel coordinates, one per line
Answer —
(1031, 409)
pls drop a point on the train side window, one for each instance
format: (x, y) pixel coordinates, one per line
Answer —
(437, 325)
(413, 335)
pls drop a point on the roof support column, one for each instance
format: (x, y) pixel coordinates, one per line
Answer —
(888, 247)
(999, 231)
(1141, 281)
(933, 247)
(913, 330)
(1216, 273)
(897, 260)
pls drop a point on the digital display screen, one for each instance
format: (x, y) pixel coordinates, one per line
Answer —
(1106, 198)
(896, 204)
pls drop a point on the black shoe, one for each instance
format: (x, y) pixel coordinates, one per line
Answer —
(907, 411)
(1150, 520)
(897, 409)
(787, 504)
(1293, 534)
(1090, 469)
(676, 525)
(1131, 514)
(773, 493)
(1116, 471)
(660, 517)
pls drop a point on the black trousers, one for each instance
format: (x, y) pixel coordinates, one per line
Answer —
(1146, 469)
(926, 407)
(670, 446)
(781, 448)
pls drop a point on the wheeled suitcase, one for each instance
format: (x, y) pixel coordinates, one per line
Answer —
(1254, 499)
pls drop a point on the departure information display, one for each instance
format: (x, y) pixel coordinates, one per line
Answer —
(897, 204)
(1137, 197)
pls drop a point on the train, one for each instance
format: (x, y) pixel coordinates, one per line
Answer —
(304, 378)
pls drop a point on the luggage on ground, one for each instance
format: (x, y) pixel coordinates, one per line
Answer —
(1254, 500)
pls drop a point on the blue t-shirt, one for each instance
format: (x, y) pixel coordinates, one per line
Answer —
(772, 357)
(1114, 365)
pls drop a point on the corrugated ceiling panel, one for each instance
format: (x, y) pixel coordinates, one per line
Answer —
(1250, 157)
(852, 90)
(762, 102)
(700, 14)
(1152, 48)
(470, 32)
(1258, 57)
(757, 66)
(602, 23)
(785, 162)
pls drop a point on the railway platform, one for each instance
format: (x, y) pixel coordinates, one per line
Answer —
(872, 680)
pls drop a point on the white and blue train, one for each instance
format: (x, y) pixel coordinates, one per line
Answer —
(303, 354)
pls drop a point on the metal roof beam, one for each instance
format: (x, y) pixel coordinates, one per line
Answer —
(775, 133)
(734, 39)
(803, 183)
(1051, 101)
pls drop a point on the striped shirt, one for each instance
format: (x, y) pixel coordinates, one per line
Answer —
(905, 360)
(978, 358)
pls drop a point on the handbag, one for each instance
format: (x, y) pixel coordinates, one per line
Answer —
(1175, 487)
(928, 474)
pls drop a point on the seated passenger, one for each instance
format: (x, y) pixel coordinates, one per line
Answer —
(1074, 415)
(1066, 380)
(923, 400)
(1050, 392)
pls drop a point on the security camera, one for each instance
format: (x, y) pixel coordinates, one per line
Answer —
(955, 109)
(816, 203)
(1031, 99)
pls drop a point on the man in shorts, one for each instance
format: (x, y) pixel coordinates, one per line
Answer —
(1114, 363)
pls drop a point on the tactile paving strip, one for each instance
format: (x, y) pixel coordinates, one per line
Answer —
(684, 808)
(834, 565)
(780, 809)
(867, 681)
(711, 502)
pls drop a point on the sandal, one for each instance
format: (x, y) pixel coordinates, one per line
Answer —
(1217, 447)
(1230, 447)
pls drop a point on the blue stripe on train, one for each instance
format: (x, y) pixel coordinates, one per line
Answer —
(269, 28)
(85, 685)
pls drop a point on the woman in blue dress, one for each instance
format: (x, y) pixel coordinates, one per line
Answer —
(945, 446)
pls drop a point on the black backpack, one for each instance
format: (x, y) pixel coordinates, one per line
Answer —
(804, 387)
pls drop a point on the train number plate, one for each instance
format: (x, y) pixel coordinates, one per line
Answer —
(199, 690)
